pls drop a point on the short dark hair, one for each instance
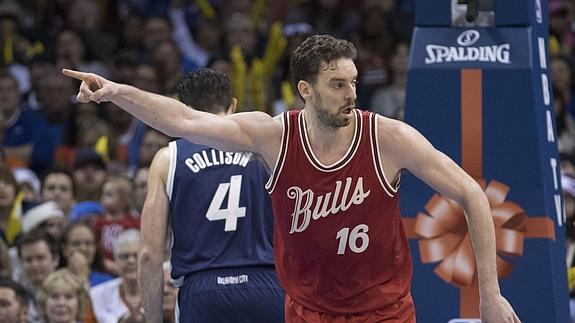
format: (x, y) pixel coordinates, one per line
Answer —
(19, 290)
(206, 89)
(58, 170)
(316, 50)
(38, 235)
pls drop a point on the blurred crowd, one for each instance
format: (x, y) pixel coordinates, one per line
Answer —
(73, 176)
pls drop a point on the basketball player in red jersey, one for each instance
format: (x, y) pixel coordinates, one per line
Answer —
(341, 252)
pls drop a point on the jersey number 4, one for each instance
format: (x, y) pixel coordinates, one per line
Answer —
(233, 211)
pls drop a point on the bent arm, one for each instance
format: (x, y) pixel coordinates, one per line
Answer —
(446, 177)
(411, 151)
(154, 226)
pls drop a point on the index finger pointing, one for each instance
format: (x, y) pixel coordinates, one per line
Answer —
(75, 74)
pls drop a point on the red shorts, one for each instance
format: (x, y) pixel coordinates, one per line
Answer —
(401, 312)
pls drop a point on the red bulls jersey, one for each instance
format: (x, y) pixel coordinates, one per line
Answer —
(340, 246)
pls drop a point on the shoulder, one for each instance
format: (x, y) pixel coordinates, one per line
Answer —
(400, 143)
(163, 154)
(161, 162)
(251, 130)
(264, 132)
(394, 131)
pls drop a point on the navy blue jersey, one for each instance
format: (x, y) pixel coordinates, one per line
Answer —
(220, 212)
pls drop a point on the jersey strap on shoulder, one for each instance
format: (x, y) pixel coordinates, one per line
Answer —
(270, 185)
(375, 152)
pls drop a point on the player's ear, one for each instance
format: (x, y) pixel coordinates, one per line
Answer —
(305, 89)
(233, 106)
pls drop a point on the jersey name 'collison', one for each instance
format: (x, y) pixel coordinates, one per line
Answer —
(213, 157)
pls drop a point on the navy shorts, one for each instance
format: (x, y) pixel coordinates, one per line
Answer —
(250, 294)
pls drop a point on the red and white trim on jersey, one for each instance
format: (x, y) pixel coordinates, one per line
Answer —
(271, 184)
(343, 160)
(389, 189)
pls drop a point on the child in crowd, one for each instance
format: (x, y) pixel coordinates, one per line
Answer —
(118, 216)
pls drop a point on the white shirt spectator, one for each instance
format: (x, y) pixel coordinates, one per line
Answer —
(107, 304)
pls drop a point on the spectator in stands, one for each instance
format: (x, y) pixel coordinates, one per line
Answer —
(128, 133)
(152, 142)
(562, 80)
(58, 186)
(146, 77)
(171, 65)
(389, 101)
(13, 302)
(81, 254)
(39, 256)
(562, 38)
(28, 183)
(70, 52)
(120, 298)
(10, 206)
(140, 184)
(47, 216)
(119, 207)
(50, 121)
(89, 175)
(62, 298)
(86, 212)
(5, 260)
(17, 138)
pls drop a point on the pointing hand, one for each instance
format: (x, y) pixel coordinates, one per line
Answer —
(94, 87)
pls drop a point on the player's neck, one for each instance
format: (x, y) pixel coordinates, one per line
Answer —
(331, 142)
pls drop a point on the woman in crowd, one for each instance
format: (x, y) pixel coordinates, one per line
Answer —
(63, 298)
(81, 254)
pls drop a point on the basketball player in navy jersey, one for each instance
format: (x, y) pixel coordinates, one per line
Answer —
(221, 222)
(341, 251)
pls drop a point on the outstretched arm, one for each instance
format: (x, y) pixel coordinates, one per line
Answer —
(250, 131)
(407, 148)
(154, 228)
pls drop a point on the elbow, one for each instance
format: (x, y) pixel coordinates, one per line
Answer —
(473, 193)
(148, 257)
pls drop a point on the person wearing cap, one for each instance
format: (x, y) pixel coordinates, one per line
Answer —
(89, 175)
(47, 216)
(44, 216)
(28, 183)
(86, 212)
